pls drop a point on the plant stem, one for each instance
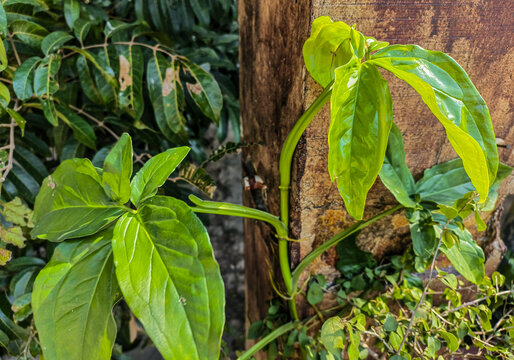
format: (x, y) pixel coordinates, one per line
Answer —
(286, 155)
(307, 260)
(269, 338)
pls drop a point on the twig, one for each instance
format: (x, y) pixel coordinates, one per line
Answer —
(477, 301)
(98, 122)
(6, 169)
(374, 334)
(9, 36)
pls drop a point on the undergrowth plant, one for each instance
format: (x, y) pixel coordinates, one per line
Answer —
(120, 239)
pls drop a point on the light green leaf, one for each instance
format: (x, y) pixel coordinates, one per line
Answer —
(3, 56)
(118, 170)
(24, 77)
(361, 117)
(29, 32)
(466, 256)
(154, 173)
(45, 84)
(166, 95)
(73, 298)
(72, 203)
(82, 131)
(326, 49)
(395, 174)
(205, 91)
(449, 93)
(54, 40)
(170, 280)
(332, 336)
(131, 80)
(5, 95)
(71, 12)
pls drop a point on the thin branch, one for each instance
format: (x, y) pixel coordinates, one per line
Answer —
(6, 169)
(100, 124)
(9, 36)
(477, 301)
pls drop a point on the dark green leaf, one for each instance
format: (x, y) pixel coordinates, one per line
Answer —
(50, 112)
(45, 84)
(31, 163)
(81, 29)
(73, 298)
(166, 95)
(71, 12)
(29, 32)
(3, 22)
(118, 170)
(395, 174)
(25, 183)
(24, 77)
(72, 203)
(24, 262)
(361, 117)
(54, 41)
(154, 173)
(87, 81)
(4, 339)
(390, 323)
(82, 131)
(449, 93)
(167, 273)
(205, 91)
(315, 293)
(423, 233)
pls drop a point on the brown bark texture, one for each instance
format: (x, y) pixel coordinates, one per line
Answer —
(275, 89)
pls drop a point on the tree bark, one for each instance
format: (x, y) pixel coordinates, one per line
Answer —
(275, 89)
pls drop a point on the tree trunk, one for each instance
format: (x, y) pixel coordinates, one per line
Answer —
(275, 89)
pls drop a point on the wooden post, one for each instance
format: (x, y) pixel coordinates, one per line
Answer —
(275, 88)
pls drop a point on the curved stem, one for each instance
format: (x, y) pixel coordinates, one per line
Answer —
(286, 155)
(220, 208)
(333, 241)
(268, 338)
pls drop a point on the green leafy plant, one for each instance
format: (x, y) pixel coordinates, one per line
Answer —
(157, 256)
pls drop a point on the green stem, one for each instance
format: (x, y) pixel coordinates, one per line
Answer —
(286, 155)
(269, 338)
(307, 260)
(220, 208)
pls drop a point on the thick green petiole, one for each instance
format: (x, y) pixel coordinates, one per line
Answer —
(307, 260)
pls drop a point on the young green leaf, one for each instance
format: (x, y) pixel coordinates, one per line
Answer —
(361, 117)
(5, 96)
(20, 121)
(131, 80)
(205, 91)
(118, 170)
(168, 275)
(3, 57)
(29, 32)
(449, 93)
(54, 40)
(166, 94)
(72, 203)
(332, 336)
(395, 174)
(24, 77)
(326, 49)
(154, 173)
(73, 298)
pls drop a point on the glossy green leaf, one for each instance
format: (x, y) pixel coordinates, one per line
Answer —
(449, 93)
(87, 81)
(73, 298)
(72, 203)
(131, 80)
(81, 28)
(29, 32)
(466, 256)
(20, 121)
(361, 117)
(154, 173)
(71, 12)
(82, 131)
(118, 170)
(45, 84)
(54, 40)
(169, 278)
(452, 341)
(423, 233)
(27, 186)
(326, 49)
(205, 91)
(332, 336)
(24, 78)
(50, 112)
(166, 95)
(395, 174)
